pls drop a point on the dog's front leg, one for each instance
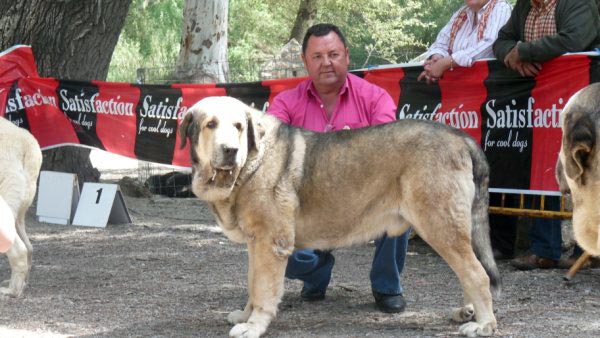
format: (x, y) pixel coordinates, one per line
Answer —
(241, 316)
(18, 261)
(265, 288)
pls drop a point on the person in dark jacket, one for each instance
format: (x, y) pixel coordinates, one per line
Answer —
(540, 30)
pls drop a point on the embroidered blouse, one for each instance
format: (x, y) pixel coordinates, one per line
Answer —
(469, 36)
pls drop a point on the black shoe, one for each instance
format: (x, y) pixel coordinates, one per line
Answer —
(389, 303)
(500, 256)
(312, 295)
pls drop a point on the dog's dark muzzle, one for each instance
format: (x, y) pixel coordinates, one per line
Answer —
(228, 158)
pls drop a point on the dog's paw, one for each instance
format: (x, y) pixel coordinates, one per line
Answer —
(463, 314)
(474, 329)
(9, 292)
(238, 316)
(246, 330)
(13, 288)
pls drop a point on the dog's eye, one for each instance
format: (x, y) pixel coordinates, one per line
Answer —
(238, 126)
(211, 125)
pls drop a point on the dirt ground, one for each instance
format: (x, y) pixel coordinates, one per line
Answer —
(172, 273)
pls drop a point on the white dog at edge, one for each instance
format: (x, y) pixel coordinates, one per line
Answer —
(578, 166)
(20, 162)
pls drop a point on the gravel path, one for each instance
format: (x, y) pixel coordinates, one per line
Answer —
(173, 274)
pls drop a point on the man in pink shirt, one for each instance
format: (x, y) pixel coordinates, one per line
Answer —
(333, 100)
(357, 104)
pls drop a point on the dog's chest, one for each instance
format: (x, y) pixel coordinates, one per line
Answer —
(227, 220)
(224, 215)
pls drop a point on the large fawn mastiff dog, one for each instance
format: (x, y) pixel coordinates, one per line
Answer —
(578, 166)
(20, 162)
(277, 188)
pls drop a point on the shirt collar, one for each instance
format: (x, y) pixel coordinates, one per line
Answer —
(539, 4)
(484, 6)
(313, 91)
(472, 12)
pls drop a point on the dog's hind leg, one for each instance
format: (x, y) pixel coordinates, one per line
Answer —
(463, 314)
(448, 231)
(265, 289)
(20, 225)
(18, 260)
(19, 255)
(473, 279)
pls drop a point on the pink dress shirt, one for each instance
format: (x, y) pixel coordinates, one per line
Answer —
(360, 104)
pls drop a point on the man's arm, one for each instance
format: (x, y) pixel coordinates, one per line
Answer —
(483, 47)
(577, 27)
(279, 109)
(440, 45)
(510, 33)
(383, 109)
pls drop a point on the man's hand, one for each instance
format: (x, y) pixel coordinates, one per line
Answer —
(438, 68)
(425, 76)
(513, 61)
(434, 68)
(530, 69)
(434, 58)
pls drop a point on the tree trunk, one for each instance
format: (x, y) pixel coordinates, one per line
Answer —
(71, 39)
(304, 19)
(203, 52)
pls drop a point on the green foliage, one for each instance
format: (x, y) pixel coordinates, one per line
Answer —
(378, 31)
(437, 13)
(257, 28)
(150, 38)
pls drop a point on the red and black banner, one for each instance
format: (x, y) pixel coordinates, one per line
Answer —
(516, 120)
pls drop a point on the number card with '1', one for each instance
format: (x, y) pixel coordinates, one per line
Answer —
(99, 204)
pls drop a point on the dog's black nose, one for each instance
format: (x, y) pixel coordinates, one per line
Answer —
(229, 152)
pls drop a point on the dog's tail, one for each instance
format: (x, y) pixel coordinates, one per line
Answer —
(480, 230)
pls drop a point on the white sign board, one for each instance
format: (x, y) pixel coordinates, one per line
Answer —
(101, 203)
(57, 197)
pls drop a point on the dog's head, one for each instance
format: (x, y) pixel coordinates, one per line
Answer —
(579, 164)
(578, 167)
(222, 132)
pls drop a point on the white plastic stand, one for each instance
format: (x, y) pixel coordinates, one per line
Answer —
(58, 196)
(101, 203)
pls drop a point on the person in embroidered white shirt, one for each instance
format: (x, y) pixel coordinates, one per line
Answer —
(467, 37)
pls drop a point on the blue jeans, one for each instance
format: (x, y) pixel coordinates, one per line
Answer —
(313, 267)
(545, 234)
(546, 238)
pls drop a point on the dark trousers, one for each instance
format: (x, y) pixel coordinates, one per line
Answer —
(503, 229)
(545, 233)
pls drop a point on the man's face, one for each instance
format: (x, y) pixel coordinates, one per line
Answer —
(326, 60)
(476, 4)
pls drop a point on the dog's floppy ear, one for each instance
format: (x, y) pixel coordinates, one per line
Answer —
(186, 124)
(580, 138)
(560, 178)
(255, 129)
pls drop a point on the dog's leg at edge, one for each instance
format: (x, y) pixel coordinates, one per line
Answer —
(476, 288)
(18, 260)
